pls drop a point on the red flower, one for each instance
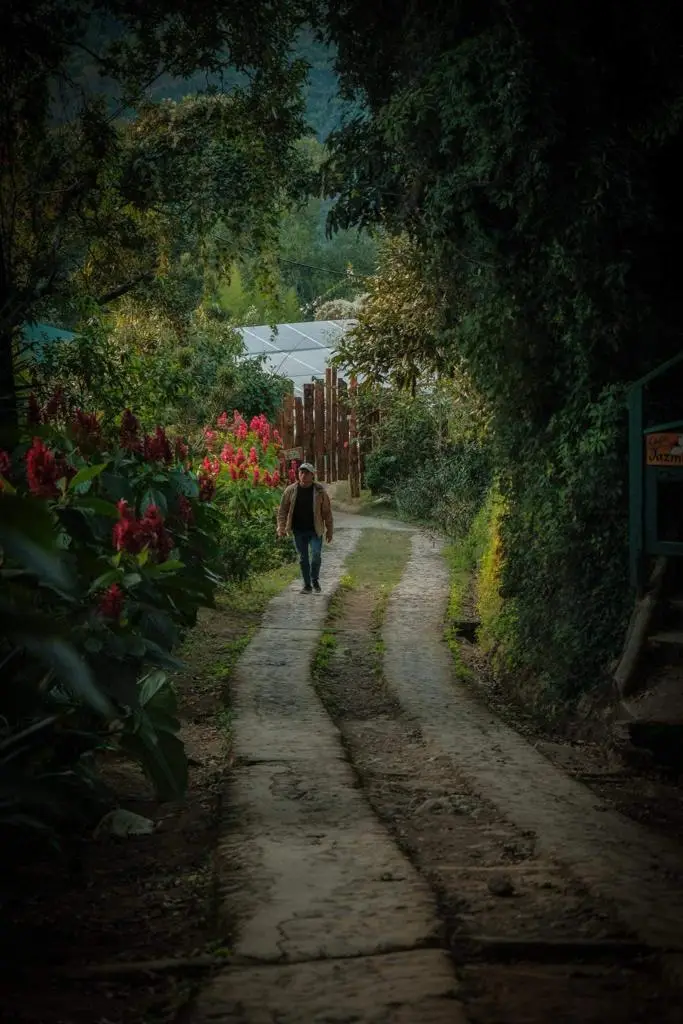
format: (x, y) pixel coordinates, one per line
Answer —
(228, 453)
(126, 535)
(275, 478)
(253, 457)
(43, 470)
(257, 475)
(129, 432)
(240, 457)
(210, 436)
(185, 510)
(277, 439)
(133, 535)
(85, 428)
(267, 479)
(207, 486)
(154, 534)
(111, 602)
(33, 413)
(181, 449)
(157, 448)
(241, 431)
(222, 421)
(211, 466)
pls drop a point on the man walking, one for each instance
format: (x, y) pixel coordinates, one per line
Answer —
(305, 511)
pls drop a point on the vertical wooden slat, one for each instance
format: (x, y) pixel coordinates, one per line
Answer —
(299, 439)
(354, 466)
(309, 436)
(319, 428)
(334, 424)
(288, 431)
(328, 425)
(342, 430)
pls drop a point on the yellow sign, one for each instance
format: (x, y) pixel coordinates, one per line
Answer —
(664, 449)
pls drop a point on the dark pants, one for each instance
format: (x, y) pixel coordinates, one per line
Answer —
(310, 570)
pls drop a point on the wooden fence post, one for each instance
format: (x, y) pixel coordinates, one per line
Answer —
(342, 429)
(299, 441)
(319, 428)
(288, 422)
(334, 426)
(328, 425)
(309, 435)
(354, 460)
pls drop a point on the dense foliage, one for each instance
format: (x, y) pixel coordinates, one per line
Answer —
(92, 204)
(111, 539)
(425, 454)
(535, 172)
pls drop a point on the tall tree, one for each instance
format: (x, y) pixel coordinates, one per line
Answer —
(88, 201)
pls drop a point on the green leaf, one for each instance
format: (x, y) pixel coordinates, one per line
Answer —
(87, 474)
(28, 535)
(153, 496)
(70, 668)
(97, 505)
(105, 580)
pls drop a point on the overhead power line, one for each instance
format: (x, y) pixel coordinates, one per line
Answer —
(323, 270)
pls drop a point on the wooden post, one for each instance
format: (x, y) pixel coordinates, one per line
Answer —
(342, 430)
(299, 439)
(334, 427)
(309, 435)
(288, 424)
(354, 462)
(319, 428)
(328, 425)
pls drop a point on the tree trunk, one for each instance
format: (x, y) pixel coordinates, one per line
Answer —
(8, 387)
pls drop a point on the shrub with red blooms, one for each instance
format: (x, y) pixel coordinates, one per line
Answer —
(207, 486)
(44, 470)
(129, 432)
(157, 448)
(134, 535)
(110, 604)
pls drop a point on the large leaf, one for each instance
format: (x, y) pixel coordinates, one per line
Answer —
(70, 668)
(28, 535)
(87, 474)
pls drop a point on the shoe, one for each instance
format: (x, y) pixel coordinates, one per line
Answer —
(316, 587)
(307, 590)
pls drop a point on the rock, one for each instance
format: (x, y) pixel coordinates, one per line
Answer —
(501, 885)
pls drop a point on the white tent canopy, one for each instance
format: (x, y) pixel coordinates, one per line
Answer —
(297, 351)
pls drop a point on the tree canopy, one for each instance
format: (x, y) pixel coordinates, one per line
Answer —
(90, 202)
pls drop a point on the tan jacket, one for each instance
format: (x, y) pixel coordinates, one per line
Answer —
(322, 510)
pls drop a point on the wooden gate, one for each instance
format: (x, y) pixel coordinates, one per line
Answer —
(321, 428)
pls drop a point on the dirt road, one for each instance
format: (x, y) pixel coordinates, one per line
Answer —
(391, 852)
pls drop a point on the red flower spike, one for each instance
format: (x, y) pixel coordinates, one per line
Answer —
(157, 448)
(111, 602)
(43, 470)
(129, 432)
(207, 487)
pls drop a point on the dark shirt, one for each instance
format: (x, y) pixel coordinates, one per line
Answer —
(302, 518)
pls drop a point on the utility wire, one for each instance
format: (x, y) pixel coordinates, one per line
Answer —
(322, 270)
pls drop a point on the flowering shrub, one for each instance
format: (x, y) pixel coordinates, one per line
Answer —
(137, 521)
(241, 474)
